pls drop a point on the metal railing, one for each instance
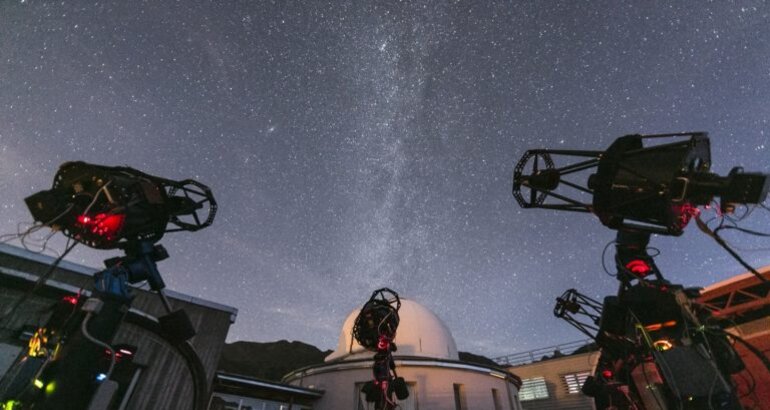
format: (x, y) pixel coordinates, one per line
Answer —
(544, 353)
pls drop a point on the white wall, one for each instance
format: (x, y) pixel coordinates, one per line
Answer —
(434, 387)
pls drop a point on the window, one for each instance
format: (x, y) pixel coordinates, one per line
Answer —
(533, 389)
(410, 403)
(221, 401)
(460, 400)
(574, 381)
(496, 399)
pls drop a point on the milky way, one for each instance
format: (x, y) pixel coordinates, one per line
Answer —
(353, 145)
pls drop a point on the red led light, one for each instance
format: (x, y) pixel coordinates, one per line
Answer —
(105, 225)
(638, 267)
(607, 374)
(685, 212)
(72, 300)
(120, 354)
(109, 225)
(383, 343)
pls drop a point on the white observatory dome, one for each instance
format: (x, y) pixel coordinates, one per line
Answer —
(420, 333)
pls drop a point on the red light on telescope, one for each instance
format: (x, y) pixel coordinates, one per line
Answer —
(383, 343)
(638, 267)
(685, 212)
(109, 225)
(105, 225)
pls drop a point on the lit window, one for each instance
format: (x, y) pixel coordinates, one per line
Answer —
(574, 381)
(533, 389)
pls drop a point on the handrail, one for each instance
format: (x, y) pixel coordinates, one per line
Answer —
(543, 353)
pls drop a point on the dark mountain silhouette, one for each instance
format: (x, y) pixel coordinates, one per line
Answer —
(268, 361)
(273, 360)
(477, 359)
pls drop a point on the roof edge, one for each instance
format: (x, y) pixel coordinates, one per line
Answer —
(88, 271)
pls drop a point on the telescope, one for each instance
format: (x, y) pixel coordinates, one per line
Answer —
(108, 207)
(375, 330)
(642, 185)
(647, 183)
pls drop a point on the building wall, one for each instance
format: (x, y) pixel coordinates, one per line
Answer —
(553, 371)
(165, 381)
(753, 384)
(433, 387)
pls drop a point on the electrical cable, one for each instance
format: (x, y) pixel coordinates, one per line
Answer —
(96, 196)
(604, 265)
(648, 385)
(710, 351)
(733, 225)
(41, 243)
(84, 330)
(744, 230)
(640, 327)
(705, 229)
(34, 227)
(40, 282)
(745, 215)
(753, 349)
(751, 384)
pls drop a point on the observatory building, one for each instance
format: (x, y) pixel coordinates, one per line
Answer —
(426, 358)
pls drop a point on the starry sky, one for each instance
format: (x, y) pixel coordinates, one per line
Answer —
(359, 144)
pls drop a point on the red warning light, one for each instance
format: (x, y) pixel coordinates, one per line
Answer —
(607, 374)
(638, 267)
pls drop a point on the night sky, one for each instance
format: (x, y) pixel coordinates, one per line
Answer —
(359, 144)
